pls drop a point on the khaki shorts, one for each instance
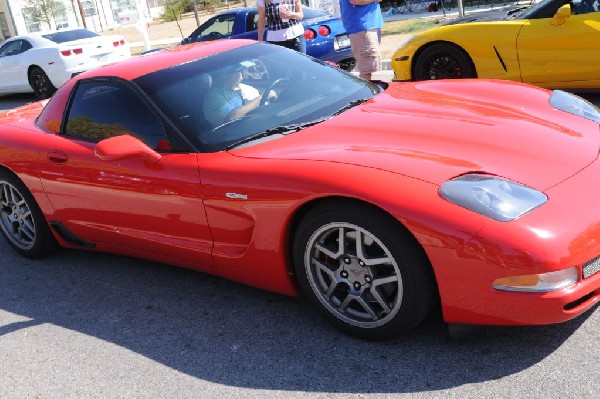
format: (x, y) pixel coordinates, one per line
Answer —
(365, 49)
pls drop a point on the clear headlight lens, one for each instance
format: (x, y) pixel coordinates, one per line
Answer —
(574, 105)
(491, 196)
(544, 282)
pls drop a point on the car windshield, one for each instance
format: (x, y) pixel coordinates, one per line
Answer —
(196, 97)
(541, 9)
(69, 35)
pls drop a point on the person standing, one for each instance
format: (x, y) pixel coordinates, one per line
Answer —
(363, 20)
(282, 17)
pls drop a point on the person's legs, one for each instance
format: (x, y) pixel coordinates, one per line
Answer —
(365, 49)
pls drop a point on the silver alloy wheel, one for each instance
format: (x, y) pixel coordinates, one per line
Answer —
(353, 275)
(16, 219)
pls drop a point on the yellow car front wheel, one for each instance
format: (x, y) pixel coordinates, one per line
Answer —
(443, 61)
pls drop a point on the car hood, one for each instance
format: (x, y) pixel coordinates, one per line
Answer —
(500, 14)
(434, 131)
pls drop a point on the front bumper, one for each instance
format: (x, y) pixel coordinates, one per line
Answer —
(562, 233)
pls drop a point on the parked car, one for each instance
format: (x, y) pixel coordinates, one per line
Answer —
(553, 44)
(375, 201)
(41, 62)
(325, 36)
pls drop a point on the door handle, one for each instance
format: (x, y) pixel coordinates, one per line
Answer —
(57, 157)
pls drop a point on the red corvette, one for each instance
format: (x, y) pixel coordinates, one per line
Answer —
(264, 166)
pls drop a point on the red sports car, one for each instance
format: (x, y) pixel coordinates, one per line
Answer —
(265, 166)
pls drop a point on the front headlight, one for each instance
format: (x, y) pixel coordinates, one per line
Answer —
(574, 105)
(491, 196)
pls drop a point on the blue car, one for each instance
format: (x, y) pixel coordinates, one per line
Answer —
(325, 36)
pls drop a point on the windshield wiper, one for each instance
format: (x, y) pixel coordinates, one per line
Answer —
(352, 104)
(283, 129)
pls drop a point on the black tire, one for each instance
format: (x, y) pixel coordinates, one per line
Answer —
(377, 290)
(21, 221)
(443, 61)
(39, 82)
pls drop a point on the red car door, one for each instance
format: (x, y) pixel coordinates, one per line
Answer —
(152, 209)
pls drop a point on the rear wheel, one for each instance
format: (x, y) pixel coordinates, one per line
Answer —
(443, 61)
(39, 82)
(21, 220)
(363, 271)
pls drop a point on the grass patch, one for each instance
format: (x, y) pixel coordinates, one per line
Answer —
(408, 26)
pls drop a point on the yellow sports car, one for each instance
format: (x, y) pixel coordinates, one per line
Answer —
(553, 44)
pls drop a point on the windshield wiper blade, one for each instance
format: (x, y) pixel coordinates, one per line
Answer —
(283, 129)
(351, 104)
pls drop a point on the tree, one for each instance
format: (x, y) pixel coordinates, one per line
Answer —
(44, 11)
(174, 9)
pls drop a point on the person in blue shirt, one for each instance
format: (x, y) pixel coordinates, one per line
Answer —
(362, 20)
(228, 98)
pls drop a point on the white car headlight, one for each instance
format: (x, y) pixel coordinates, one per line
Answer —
(574, 105)
(492, 196)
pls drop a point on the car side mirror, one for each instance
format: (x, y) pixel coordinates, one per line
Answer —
(186, 40)
(562, 14)
(124, 147)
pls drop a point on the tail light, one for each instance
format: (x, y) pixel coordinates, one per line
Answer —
(119, 43)
(75, 51)
(310, 34)
(324, 30)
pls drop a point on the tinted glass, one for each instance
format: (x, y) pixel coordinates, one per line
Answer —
(100, 110)
(308, 91)
(70, 35)
(217, 28)
(15, 47)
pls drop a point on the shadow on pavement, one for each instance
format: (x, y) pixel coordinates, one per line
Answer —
(235, 335)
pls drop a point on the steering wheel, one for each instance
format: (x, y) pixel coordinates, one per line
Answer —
(211, 36)
(265, 96)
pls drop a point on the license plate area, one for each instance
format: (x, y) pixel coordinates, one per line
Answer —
(341, 42)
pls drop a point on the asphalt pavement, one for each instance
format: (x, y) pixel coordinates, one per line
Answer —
(91, 325)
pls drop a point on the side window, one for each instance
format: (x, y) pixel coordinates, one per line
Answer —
(25, 45)
(220, 27)
(583, 6)
(100, 110)
(251, 21)
(10, 48)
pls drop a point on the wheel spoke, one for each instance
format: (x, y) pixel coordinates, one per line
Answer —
(26, 234)
(384, 305)
(384, 280)
(367, 308)
(328, 287)
(5, 189)
(14, 196)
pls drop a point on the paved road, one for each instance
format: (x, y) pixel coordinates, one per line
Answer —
(79, 325)
(83, 324)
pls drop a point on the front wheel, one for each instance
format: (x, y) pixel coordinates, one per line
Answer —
(362, 270)
(443, 61)
(40, 83)
(21, 220)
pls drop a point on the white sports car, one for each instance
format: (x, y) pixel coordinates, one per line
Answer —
(42, 62)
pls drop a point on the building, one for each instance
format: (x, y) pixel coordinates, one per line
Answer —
(18, 17)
